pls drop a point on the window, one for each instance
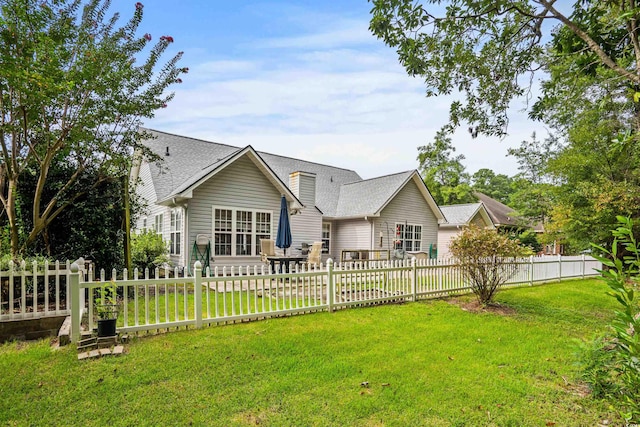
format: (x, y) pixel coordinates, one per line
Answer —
(176, 231)
(237, 232)
(263, 228)
(408, 237)
(222, 230)
(243, 232)
(144, 224)
(157, 227)
(326, 237)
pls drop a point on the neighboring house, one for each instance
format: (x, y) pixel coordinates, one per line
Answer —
(501, 215)
(503, 218)
(457, 217)
(229, 197)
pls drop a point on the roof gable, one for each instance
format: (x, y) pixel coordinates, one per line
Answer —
(465, 214)
(185, 189)
(369, 197)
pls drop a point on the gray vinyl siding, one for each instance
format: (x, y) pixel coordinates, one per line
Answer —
(240, 185)
(445, 234)
(305, 227)
(407, 206)
(349, 234)
(307, 194)
(144, 189)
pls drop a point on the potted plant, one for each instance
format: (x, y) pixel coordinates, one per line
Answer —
(107, 309)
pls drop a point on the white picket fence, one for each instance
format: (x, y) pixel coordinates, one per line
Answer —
(229, 294)
(33, 291)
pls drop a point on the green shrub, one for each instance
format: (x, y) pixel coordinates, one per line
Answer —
(148, 250)
(621, 273)
(484, 257)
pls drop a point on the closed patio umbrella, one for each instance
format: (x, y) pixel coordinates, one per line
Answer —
(283, 238)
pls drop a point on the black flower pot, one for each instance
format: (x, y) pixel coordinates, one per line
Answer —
(106, 327)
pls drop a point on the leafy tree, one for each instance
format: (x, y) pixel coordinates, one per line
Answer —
(534, 192)
(489, 50)
(498, 187)
(484, 257)
(443, 172)
(71, 92)
(92, 227)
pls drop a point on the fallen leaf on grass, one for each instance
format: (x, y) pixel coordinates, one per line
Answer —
(385, 384)
(550, 423)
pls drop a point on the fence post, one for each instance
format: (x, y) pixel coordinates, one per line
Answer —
(330, 292)
(530, 270)
(583, 265)
(197, 293)
(76, 316)
(414, 279)
(559, 268)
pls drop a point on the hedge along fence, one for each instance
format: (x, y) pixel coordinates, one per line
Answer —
(227, 295)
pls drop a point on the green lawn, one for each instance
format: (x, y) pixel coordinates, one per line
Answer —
(427, 363)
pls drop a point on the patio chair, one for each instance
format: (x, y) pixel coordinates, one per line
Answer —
(315, 254)
(267, 248)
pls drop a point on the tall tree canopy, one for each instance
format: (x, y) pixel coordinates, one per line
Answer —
(497, 186)
(443, 172)
(74, 88)
(488, 50)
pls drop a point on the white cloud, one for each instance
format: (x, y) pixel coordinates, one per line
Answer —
(335, 96)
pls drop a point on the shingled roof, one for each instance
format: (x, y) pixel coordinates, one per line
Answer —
(501, 214)
(368, 197)
(460, 214)
(463, 214)
(340, 192)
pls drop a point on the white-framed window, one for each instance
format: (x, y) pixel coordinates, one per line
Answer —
(176, 231)
(408, 237)
(263, 228)
(222, 231)
(144, 224)
(326, 237)
(158, 222)
(244, 225)
(237, 232)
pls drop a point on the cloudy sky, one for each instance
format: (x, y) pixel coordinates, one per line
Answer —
(306, 79)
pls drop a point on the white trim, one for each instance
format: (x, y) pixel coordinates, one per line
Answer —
(158, 219)
(234, 233)
(175, 212)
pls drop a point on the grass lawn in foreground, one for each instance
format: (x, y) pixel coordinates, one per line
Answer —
(427, 363)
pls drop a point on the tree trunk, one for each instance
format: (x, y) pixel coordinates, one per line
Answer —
(12, 216)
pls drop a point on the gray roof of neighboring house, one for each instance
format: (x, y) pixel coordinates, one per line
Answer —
(460, 214)
(191, 159)
(367, 197)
